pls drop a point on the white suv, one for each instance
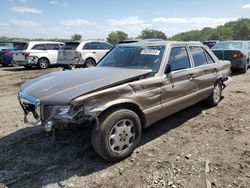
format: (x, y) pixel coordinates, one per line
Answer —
(36, 53)
(86, 53)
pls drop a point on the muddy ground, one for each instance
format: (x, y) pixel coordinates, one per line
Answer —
(172, 153)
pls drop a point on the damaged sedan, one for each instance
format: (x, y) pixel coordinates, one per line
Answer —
(132, 87)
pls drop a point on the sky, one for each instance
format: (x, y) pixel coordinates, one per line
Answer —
(95, 19)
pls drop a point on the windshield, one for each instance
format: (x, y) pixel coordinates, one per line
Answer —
(21, 46)
(228, 46)
(134, 57)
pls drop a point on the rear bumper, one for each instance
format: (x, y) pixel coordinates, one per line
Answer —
(238, 65)
(33, 60)
(5, 60)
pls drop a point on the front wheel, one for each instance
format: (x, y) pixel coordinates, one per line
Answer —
(215, 96)
(117, 134)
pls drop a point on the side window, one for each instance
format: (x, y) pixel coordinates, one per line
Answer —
(39, 47)
(52, 46)
(178, 58)
(106, 46)
(209, 58)
(198, 55)
(87, 46)
(96, 46)
(92, 46)
(249, 46)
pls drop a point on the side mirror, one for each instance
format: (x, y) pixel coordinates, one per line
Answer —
(168, 69)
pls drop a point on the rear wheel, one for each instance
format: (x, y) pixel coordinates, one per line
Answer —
(244, 70)
(43, 63)
(27, 66)
(215, 96)
(13, 64)
(117, 134)
(90, 63)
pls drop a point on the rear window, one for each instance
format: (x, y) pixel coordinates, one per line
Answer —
(21, 46)
(39, 47)
(70, 46)
(228, 45)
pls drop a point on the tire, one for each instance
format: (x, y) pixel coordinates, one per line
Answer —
(43, 63)
(117, 135)
(244, 70)
(90, 63)
(215, 96)
(13, 64)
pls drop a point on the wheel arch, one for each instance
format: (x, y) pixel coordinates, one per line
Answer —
(44, 57)
(92, 58)
(126, 105)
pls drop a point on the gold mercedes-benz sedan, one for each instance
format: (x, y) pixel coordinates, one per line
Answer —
(132, 87)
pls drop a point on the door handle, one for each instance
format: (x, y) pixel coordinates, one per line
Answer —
(93, 52)
(191, 76)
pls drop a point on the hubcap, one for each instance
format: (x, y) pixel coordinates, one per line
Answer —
(216, 93)
(121, 136)
(43, 63)
(90, 64)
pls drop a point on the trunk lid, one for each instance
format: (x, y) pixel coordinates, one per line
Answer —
(226, 54)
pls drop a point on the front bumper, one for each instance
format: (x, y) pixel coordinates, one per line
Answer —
(52, 116)
(31, 105)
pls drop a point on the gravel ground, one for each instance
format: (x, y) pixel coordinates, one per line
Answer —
(196, 147)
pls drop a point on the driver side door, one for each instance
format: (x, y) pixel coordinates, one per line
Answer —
(179, 86)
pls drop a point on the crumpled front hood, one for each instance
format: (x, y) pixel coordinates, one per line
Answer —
(62, 87)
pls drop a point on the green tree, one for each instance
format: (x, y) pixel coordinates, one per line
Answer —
(152, 33)
(76, 37)
(234, 30)
(242, 32)
(116, 36)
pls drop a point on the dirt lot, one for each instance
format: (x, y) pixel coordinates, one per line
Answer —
(172, 153)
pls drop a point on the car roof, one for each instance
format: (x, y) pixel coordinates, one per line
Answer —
(160, 43)
(44, 42)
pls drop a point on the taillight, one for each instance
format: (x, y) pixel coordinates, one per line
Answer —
(8, 52)
(238, 55)
(77, 54)
(26, 54)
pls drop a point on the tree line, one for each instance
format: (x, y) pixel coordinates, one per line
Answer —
(234, 30)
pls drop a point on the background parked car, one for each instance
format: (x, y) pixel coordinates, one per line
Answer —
(86, 53)
(237, 52)
(37, 53)
(6, 53)
(210, 43)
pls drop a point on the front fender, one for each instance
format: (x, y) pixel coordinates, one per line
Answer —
(97, 108)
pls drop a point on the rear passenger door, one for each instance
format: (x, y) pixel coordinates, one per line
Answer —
(52, 50)
(179, 86)
(206, 68)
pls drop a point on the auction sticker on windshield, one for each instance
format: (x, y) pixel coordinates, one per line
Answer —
(150, 52)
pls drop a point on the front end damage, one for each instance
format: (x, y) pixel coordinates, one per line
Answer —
(56, 116)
